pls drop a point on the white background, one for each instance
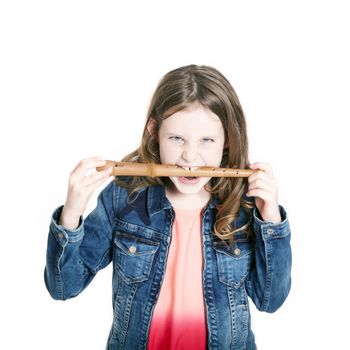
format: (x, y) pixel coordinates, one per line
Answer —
(76, 78)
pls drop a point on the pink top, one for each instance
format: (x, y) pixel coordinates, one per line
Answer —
(179, 319)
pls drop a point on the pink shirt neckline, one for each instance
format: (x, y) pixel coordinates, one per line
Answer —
(187, 210)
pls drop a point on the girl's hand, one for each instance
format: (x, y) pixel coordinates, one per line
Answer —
(80, 190)
(263, 186)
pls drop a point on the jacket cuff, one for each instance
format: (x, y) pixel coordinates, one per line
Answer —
(270, 230)
(64, 235)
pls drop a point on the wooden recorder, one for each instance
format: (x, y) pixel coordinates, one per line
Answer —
(159, 170)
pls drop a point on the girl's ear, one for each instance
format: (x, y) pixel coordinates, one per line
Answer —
(152, 126)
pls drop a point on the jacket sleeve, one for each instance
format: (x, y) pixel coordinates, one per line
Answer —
(269, 282)
(74, 257)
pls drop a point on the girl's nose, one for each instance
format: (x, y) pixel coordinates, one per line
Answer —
(190, 154)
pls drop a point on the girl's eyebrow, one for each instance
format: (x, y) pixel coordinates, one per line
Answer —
(179, 134)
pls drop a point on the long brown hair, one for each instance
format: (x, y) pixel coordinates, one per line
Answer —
(176, 91)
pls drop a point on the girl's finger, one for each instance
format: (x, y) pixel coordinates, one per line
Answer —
(264, 185)
(262, 166)
(85, 165)
(261, 175)
(94, 184)
(260, 193)
(91, 179)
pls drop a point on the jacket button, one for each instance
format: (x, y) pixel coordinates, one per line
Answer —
(132, 249)
(237, 251)
(270, 231)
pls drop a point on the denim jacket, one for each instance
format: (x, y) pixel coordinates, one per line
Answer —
(136, 236)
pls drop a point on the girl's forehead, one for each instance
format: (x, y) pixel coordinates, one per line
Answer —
(198, 118)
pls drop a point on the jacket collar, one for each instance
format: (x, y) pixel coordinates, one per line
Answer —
(157, 200)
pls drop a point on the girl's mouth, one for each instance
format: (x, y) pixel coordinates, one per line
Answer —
(188, 179)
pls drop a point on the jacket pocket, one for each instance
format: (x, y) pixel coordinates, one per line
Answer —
(134, 257)
(233, 261)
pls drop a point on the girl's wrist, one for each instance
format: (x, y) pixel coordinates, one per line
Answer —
(68, 220)
(275, 218)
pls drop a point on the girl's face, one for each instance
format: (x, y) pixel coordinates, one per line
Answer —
(189, 138)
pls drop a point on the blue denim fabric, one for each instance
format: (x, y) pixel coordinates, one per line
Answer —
(136, 237)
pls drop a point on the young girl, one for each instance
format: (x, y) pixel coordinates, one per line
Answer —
(186, 252)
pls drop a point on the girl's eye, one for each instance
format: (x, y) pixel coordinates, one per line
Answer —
(175, 138)
(178, 138)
